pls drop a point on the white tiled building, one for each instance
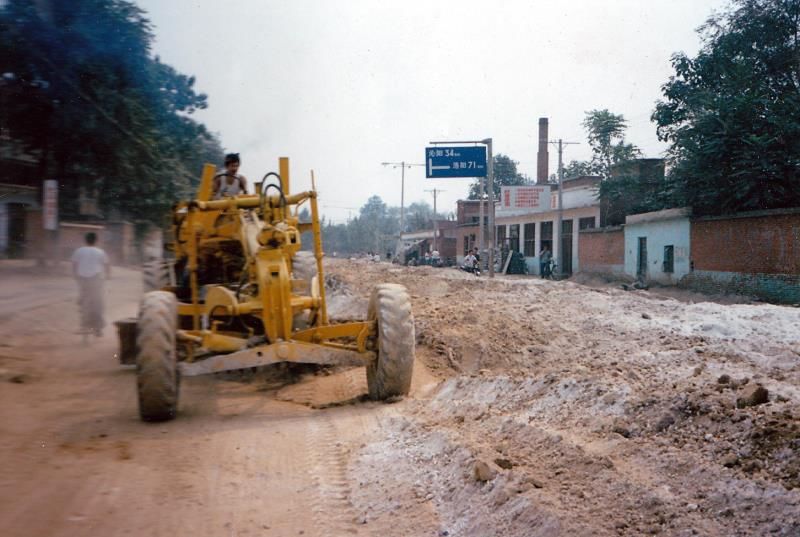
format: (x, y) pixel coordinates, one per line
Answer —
(526, 217)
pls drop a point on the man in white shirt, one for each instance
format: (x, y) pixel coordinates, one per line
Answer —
(229, 183)
(469, 262)
(89, 265)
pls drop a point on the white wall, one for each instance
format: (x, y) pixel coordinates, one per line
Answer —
(580, 197)
(659, 233)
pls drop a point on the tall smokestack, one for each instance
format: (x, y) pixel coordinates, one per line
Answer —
(542, 157)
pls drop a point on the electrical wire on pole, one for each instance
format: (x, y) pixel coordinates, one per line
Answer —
(402, 165)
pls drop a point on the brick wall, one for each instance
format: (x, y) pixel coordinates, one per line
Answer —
(461, 234)
(754, 254)
(602, 250)
(765, 244)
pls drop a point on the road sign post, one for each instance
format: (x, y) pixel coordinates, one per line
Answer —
(443, 161)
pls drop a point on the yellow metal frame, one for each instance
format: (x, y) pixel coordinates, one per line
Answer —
(270, 235)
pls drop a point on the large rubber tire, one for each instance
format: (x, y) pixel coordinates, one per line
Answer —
(390, 374)
(157, 375)
(155, 275)
(304, 267)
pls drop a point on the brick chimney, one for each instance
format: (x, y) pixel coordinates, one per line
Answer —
(543, 156)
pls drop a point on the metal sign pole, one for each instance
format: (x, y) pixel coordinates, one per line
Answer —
(490, 169)
(481, 241)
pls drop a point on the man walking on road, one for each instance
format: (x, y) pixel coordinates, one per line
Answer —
(89, 263)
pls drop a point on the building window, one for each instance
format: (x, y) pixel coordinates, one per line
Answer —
(547, 235)
(513, 238)
(469, 243)
(566, 227)
(586, 223)
(530, 240)
(669, 259)
(500, 233)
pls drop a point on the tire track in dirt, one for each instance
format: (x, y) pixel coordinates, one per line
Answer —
(333, 512)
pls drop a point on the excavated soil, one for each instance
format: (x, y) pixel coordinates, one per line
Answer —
(537, 408)
(570, 410)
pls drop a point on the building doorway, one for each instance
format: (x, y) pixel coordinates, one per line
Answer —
(16, 230)
(566, 247)
(641, 264)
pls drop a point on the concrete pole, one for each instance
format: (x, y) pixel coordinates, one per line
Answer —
(435, 224)
(490, 174)
(557, 244)
(481, 243)
(402, 197)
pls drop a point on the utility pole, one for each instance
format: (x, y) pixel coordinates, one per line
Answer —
(402, 165)
(559, 217)
(435, 225)
(490, 185)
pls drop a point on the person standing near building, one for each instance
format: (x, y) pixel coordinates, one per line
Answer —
(89, 265)
(544, 262)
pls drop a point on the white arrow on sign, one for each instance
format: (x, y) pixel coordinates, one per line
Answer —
(432, 167)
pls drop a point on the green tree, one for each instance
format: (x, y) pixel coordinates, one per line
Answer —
(505, 174)
(420, 215)
(606, 135)
(576, 168)
(102, 114)
(731, 112)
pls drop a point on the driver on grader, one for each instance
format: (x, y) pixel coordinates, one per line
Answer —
(229, 183)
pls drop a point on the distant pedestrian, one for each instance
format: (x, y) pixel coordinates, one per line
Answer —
(89, 265)
(544, 262)
(470, 264)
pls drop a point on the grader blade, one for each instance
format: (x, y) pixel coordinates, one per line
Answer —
(294, 351)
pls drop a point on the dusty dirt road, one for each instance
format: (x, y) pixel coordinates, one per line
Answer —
(538, 408)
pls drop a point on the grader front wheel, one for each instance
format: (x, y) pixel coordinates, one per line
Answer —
(156, 365)
(390, 374)
(155, 275)
(304, 267)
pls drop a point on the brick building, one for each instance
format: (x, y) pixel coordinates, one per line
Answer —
(754, 253)
(466, 228)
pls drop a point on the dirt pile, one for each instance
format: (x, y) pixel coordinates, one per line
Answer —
(574, 410)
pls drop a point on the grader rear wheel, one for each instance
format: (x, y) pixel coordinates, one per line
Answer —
(304, 266)
(156, 365)
(390, 374)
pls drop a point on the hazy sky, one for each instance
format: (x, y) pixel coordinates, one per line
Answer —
(341, 86)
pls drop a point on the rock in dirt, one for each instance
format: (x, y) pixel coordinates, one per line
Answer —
(646, 316)
(724, 379)
(752, 396)
(665, 422)
(483, 472)
(729, 460)
(505, 464)
(622, 430)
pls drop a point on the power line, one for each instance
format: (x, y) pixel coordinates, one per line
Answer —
(402, 165)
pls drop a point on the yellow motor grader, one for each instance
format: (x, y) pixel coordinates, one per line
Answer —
(241, 293)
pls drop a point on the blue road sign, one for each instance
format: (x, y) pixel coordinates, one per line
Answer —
(464, 161)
